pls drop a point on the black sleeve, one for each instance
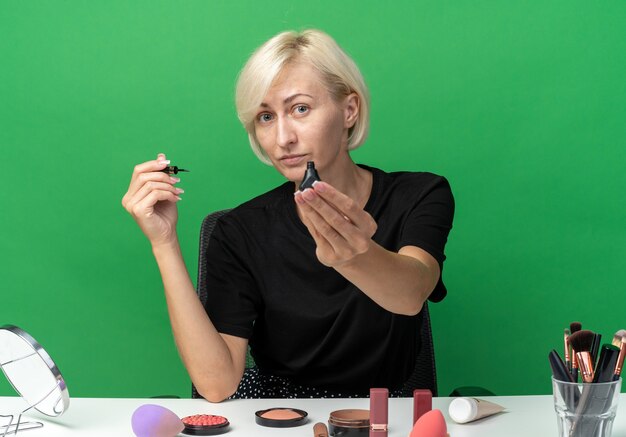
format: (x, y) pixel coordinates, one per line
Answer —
(428, 225)
(233, 299)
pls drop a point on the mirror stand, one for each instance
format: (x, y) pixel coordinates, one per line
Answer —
(12, 429)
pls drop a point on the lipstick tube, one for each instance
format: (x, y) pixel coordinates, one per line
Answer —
(379, 412)
(422, 403)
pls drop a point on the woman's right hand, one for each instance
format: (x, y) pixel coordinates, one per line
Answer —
(151, 200)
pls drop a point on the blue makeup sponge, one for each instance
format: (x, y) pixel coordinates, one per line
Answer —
(155, 421)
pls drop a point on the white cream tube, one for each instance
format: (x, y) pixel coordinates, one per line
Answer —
(463, 410)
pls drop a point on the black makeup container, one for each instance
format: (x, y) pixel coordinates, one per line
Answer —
(349, 423)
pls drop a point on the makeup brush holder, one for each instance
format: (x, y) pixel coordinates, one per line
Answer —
(585, 410)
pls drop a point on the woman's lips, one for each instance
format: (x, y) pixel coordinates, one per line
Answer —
(292, 160)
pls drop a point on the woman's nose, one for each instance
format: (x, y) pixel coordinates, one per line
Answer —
(286, 133)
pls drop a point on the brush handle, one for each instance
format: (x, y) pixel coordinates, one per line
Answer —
(595, 346)
(595, 401)
(570, 394)
(320, 430)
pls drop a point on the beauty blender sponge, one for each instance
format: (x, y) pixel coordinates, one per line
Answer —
(155, 421)
(431, 424)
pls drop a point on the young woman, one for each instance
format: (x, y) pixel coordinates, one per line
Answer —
(325, 284)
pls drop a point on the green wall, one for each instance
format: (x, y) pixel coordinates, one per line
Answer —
(521, 104)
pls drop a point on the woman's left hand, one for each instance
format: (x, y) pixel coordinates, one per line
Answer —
(341, 229)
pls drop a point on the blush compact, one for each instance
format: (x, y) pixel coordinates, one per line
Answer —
(281, 417)
(205, 424)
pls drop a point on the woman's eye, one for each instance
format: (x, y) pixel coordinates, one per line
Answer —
(264, 118)
(301, 109)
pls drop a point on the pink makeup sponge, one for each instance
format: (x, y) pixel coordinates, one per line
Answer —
(155, 421)
(431, 424)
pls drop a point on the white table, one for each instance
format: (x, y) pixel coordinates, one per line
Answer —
(528, 416)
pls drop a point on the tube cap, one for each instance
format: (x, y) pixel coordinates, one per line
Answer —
(462, 410)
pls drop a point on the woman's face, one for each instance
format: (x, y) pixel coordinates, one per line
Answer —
(299, 121)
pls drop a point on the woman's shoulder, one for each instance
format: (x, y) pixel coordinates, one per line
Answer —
(257, 209)
(270, 199)
(413, 181)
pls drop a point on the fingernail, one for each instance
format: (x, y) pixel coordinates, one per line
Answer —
(163, 162)
(174, 180)
(179, 190)
(179, 198)
(319, 187)
(297, 192)
(308, 194)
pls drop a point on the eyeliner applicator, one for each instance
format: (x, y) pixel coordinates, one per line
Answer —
(172, 169)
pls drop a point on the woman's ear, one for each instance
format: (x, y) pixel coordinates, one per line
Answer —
(351, 109)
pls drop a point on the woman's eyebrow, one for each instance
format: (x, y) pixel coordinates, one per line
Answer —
(288, 99)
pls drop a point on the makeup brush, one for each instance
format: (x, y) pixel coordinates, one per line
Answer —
(568, 363)
(581, 342)
(617, 338)
(573, 328)
(620, 360)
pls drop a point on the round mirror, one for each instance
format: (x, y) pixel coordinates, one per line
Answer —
(31, 372)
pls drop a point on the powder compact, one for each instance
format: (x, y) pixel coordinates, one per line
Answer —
(349, 422)
(205, 424)
(281, 417)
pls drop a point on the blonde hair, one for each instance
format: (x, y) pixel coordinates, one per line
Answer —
(340, 75)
